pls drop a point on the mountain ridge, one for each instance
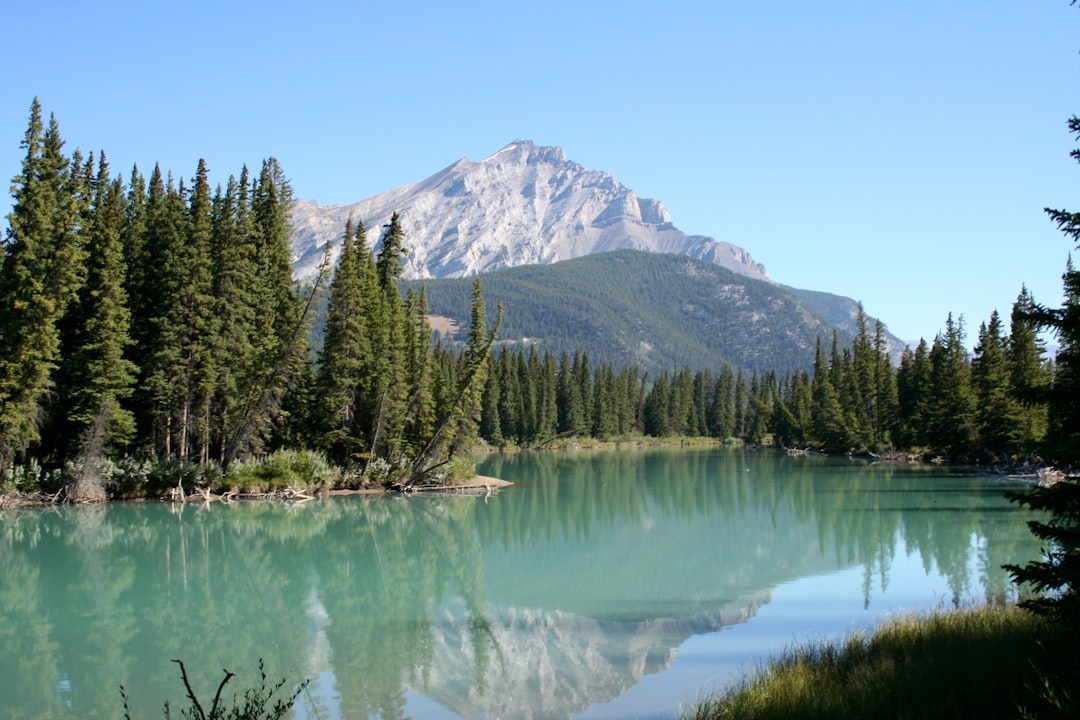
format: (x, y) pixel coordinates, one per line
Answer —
(525, 204)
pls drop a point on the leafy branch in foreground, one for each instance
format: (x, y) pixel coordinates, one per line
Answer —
(257, 703)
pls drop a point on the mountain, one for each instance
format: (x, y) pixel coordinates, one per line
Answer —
(527, 206)
(524, 205)
(655, 311)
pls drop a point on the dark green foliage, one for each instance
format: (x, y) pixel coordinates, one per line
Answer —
(96, 377)
(41, 273)
(1029, 379)
(647, 310)
(1055, 578)
(951, 411)
(345, 356)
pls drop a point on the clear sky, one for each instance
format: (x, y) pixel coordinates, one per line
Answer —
(899, 153)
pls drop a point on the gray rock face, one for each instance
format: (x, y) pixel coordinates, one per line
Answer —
(524, 205)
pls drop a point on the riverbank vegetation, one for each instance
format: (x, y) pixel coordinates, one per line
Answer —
(156, 321)
(994, 661)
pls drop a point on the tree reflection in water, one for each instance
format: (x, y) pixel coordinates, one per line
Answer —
(551, 596)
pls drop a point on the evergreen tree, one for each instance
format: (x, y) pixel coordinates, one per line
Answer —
(157, 330)
(99, 376)
(391, 252)
(913, 391)
(658, 408)
(572, 419)
(994, 399)
(829, 427)
(40, 276)
(1029, 378)
(490, 423)
(547, 396)
(199, 324)
(887, 411)
(510, 400)
(950, 418)
(345, 354)
(722, 406)
(420, 414)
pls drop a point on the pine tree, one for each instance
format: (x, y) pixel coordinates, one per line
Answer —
(156, 330)
(722, 406)
(572, 419)
(913, 392)
(199, 323)
(282, 314)
(950, 418)
(1029, 378)
(887, 413)
(994, 399)
(658, 408)
(40, 276)
(345, 354)
(829, 424)
(100, 377)
(391, 252)
(234, 273)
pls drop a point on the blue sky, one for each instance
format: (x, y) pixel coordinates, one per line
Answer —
(896, 153)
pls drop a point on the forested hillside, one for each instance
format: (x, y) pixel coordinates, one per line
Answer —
(650, 310)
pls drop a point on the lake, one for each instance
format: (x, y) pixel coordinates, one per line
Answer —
(603, 584)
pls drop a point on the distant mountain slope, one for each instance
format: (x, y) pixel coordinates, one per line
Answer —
(656, 311)
(524, 205)
(843, 312)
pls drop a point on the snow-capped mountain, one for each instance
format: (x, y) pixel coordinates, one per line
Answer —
(524, 205)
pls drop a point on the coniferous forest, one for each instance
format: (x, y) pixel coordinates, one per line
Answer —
(152, 336)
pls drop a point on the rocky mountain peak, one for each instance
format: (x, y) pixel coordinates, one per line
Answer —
(524, 204)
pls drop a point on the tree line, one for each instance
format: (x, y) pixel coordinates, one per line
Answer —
(941, 398)
(159, 317)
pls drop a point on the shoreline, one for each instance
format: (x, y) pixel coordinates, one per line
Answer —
(479, 484)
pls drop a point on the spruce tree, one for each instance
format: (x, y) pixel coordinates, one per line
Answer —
(829, 423)
(40, 276)
(994, 399)
(100, 377)
(344, 355)
(950, 420)
(1029, 378)
(913, 392)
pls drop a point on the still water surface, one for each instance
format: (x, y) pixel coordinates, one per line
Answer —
(608, 584)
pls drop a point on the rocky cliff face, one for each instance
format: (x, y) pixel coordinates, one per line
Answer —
(524, 205)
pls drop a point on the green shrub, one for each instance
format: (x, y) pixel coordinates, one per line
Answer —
(277, 471)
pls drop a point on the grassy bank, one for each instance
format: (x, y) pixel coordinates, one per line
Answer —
(996, 661)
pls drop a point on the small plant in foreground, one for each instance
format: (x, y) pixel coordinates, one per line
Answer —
(256, 704)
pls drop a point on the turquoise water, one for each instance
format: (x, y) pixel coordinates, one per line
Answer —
(602, 584)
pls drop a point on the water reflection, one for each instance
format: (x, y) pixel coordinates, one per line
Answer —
(540, 601)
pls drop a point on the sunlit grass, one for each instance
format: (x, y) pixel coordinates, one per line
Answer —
(280, 469)
(989, 662)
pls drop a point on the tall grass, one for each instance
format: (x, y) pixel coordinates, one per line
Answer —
(299, 469)
(996, 661)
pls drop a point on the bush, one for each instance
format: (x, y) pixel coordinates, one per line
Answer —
(277, 471)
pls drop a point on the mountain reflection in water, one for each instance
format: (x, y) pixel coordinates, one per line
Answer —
(543, 600)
